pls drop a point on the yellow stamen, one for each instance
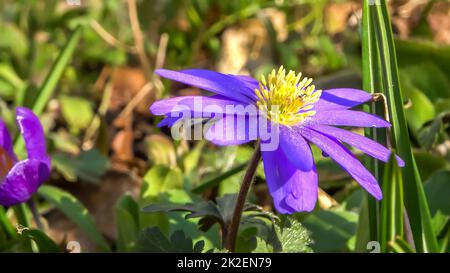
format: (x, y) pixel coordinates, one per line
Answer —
(285, 99)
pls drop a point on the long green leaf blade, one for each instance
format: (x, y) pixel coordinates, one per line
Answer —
(368, 219)
(391, 211)
(76, 212)
(415, 201)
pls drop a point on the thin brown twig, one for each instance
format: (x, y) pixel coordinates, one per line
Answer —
(151, 85)
(162, 49)
(109, 38)
(136, 99)
(380, 97)
(138, 38)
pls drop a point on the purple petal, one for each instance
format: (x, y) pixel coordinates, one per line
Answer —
(218, 83)
(22, 181)
(233, 130)
(346, 159)
(32, 133)
(292, 190)
(362, 143)
(196, 104)
(168, 121)
(349, 118)
(6, 141)
(248, 81)
(296, 148)
(341, 99)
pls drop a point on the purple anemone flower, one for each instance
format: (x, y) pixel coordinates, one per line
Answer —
(19, 180)
(301, 114)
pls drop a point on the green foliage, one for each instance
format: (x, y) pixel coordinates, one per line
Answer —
(127, 223)
(331, 230)
(160, 179)
(391, 210)
(76, 111)
(43, 242)
(88, 166)
(292, 237)
(61, 62)
(389, 81)
(75, 211)
(211, 213)
(437, 188)
(152, 240)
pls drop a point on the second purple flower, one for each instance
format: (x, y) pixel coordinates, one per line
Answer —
(19, 180)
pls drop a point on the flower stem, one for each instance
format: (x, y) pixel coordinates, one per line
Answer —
(233, 227)
(36, 216)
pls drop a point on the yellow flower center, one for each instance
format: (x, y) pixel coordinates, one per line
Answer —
(287, 98)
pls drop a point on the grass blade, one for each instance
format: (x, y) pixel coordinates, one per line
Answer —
(415, 201)
(368, 220)
(43, 242)
(398, 245)
(127, 223)
(50, 82)
(48, 87)
(76, 212)
(44, 94)
(391, 211)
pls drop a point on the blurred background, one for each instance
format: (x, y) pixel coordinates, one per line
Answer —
(104, 142)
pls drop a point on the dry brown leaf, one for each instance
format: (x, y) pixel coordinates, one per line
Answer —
(338, 14)
(126, 83)
(122, 143)
(439, 21)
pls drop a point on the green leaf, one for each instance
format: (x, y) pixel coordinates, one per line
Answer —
(368, 220)
(127, 222)
(331, 230)
(294, 238)
(246, 239)
(262, 246)
(50, 82)
(10, 82)
(391, 219)
(415, 200)
(76, 212)
(421, 111)
(415, 51)
(160, 179)
(437, 188)
(428, 78)
(43, 242)
(198, 210)
(158, 183)
(190, 161)
(88, 166)
(440, 221)
(429, 163)
(14, 40)
(45, 92)
(5, 225)
(76, 111)
(429, 135)
(216, 180)
(160, 150)
(210, 212)
(400, 246)
(152, 240)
